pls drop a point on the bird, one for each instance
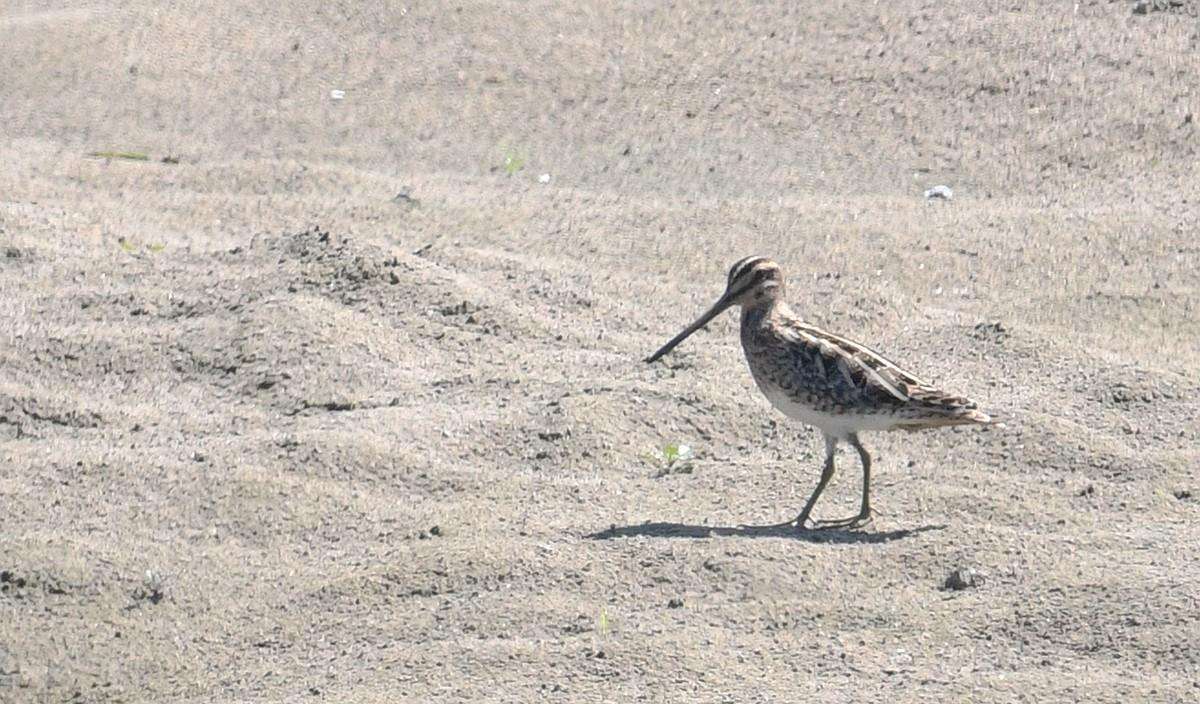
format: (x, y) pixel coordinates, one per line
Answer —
(839, 386)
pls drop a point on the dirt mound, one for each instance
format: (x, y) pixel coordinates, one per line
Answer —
(413, 453)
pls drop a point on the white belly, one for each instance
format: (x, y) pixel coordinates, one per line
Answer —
(838, 425)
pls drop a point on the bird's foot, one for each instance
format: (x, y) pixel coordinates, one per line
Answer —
(803, 524)
(769, 526)
(852, 522)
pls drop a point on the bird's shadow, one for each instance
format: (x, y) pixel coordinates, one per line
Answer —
(683, 530)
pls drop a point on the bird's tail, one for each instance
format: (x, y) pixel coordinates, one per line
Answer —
(938, 409)
(972, 416)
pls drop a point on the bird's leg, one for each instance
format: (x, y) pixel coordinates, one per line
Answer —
(864, 513)
(826, 475)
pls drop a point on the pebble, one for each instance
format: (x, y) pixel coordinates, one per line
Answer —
(963, 578)
(942, 192)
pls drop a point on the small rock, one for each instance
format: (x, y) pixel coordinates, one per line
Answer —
(12, 253)
(1183, 494)
(962, 578)
(435, 531)
(939, 192)
(404, 198)
(544, 178)
(676, 468)
(151, 588)
(1087, 490)
(675, 604)
(990, 329)
(1143, 7)
(337, 94)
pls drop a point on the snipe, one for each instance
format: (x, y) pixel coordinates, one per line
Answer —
(814, 376)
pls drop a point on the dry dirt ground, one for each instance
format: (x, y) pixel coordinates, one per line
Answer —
(337, 397)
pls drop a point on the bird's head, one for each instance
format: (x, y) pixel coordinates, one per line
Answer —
(752, 281)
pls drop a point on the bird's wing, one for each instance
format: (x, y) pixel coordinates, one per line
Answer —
(865, 371)
(858, 366)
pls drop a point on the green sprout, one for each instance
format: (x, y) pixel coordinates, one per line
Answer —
(676, 458)
(513, 161)
(133, 248)
(128, 156)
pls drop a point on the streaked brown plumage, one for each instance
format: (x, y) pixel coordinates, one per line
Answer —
(833, 383)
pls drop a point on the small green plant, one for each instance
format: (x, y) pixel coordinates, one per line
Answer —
(513, 161)
(676, 458)
(128, 156)
(672, 453)
(602, 622)
(133, 248)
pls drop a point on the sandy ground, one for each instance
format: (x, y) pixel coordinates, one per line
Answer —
(338, 396)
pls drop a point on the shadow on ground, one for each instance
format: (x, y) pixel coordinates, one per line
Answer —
(683, 530)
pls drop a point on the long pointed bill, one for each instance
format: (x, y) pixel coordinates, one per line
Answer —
(724, 302)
